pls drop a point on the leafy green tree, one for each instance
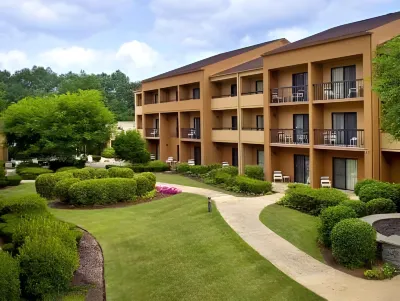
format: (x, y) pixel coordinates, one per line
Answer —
(59, 124)
(130, 146)
(387, 85)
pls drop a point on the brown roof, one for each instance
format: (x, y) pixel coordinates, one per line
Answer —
(208, 61)
(340, 32)
(250, 65)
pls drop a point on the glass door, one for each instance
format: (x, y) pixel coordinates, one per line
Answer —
(300, 128)
(344, 173)
(344, 125)
(196, 123)
(301, 169)
(197, 155)
(260, 158)
(299, 83)
(343, 79)
(260, 122)
(234, 122)
(235, 156)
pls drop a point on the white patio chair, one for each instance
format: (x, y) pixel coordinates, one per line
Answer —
(325, 182)
(302, 138)
(276, 98)
(191, 162)
(154, 133)
(353, 141)
(152, 157)
(192, 133)
(224, 164)
(170, 160)
(278, 176)
(352, 91)
(288, 139)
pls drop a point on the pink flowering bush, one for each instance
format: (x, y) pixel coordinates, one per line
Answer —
(168, 190)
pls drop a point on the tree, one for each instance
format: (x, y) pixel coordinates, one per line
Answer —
(58, 125)
(387, 85)
(130, 146)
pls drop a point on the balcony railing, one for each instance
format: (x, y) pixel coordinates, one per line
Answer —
(290, 136)
(252, 129)
(289, 94)
(339, 90)
(139, 103)
(149, 101)
(252, 92)
(152, 132)
(225, 128)
(339, 137)
(168, 100)
(190, 133)
(225, 95)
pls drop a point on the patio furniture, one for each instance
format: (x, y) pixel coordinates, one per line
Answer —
(330, 138)
(224, 164)
(278, 176)
(191, 162)
(298, 96)
(325, 182)
(154, 133)
(286, 179)
(302, 138)
(281, 137)
(276, 98)
(329, 94)
(152, 157)
(351, 92)
(288, 139)
(353, 141)
(192, 134)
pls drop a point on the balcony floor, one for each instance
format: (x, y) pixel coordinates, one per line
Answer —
(340, 147)
(296, 145)
(339, 100)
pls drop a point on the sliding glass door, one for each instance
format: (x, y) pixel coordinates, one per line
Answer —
(343, 79)
(300, 128)
(301, 169)
(344, 173)
(345, 127)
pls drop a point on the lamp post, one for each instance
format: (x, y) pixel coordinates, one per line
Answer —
(209, 204)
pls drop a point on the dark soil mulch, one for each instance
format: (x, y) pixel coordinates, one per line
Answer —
(388, 227)
(61, 205)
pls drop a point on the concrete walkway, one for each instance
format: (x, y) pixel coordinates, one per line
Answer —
(242, 214)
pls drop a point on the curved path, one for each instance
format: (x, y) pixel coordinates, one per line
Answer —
(242, 215)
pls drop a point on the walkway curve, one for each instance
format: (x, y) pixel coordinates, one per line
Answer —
(242, 215)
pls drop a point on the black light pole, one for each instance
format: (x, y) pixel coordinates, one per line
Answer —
(209, 204)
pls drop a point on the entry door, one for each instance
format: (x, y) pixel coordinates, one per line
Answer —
(300, 127)
(234, 122)
(234, 90)
(344, 173)
(197, 155)
(301, 169)
(156, 123)
(260, 122)
(177, 127)
(299, 83)
(196, 123)
(177, 153)
(157, 152)
(260, 158)
(343, 79)
(235, 156)
(345, 126)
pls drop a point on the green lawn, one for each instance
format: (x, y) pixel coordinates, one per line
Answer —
(298, 228)
(172, 249)
(20, 190)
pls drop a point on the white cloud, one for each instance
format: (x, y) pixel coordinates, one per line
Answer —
(292, 34)
(246, 41)
(13, 60)
(193, 42)
(138, 53)
(70, 57)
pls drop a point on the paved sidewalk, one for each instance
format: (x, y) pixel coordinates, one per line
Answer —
(242, 214)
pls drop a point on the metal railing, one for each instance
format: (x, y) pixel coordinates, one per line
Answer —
(152, 132)
(252, 129)
(289, 94)
(339, 89)
(223, 96)
(339, 137)
(252, 92)
(168, 100)
(190, 133)
(290, 136)
(183, 99)
(225, 128)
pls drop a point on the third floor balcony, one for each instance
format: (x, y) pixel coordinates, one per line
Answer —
(339, 90)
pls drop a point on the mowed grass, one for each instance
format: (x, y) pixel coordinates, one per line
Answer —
(173, 249)
(298, 228)
(20, 190)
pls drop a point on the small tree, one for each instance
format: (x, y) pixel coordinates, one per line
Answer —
(387, 84)
(130, 146)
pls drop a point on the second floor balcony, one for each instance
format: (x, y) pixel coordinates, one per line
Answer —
(290, 136)
(190, 133)
(339, 90)
(291, 94)
(152, 133)
(351, 138)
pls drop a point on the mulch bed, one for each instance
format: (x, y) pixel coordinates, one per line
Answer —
(91, 270)
(61, 205)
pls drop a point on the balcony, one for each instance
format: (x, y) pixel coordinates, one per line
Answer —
(291, 95)
(190, 133)
(388, 143)
(225, 135)
(223, 102)
(334, 138)
(252, 135)
(152, 133)
(349, 90)
(252, 99)
(290, 137)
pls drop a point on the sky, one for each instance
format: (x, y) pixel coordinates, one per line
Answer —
(146, 37)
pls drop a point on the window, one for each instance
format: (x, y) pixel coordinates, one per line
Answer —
(235, 156)
(260, 122)
(260, 158)
(259, 86)
(156, 98)
(196, 93)
(344, 82)
(234, 122)
(234, 90)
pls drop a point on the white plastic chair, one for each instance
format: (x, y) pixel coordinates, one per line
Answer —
(278, 176)
(152, 157)
(276, 98)
(351, 91)
(325, 182)
(154, 133)
(191, 162)
(224, 164)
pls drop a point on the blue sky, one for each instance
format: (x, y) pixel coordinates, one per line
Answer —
(147, 37)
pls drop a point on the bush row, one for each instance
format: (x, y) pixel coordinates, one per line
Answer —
(152, 166)
(368, 190)
(31, 173)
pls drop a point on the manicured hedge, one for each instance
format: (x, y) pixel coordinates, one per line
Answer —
(31, 173)
(82, 174)
(380, 206)
(377, 190)
(144, 185)
(232, 170)
(56, 164)
(45, 183)
(198, 170)
(13, 180)
(96, 158)
(252, 186)
(100, 173)
(222, 177)
(329, 217)
(358, 206)
(363, 183)
(182, 167)
(32, 204)
(312, 201)
(152, 166)
(103, 191)
(9, 278)
(353, 243)
(62, 187)
(66, 168)
(119, 172)
(108, 152)
(151, 177)
(254, 172)
(26, 164)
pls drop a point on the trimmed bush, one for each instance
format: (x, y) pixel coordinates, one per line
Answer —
(45, 183)
(214, 166)
(81, 174)
(182, 167)
(297, 185)
(222, 177)
(254, 172)
(108, 152)
(312, 201)
(100, 173)
(329, 218)
(9, 278)
(144, 185)
(363, 183)
(91, 170)
(25, 164)
(47, 267)
(66, 168)
(31, 173)
(157, 166)
(3, 182)
(120, 172)
(96, 158)
(232, 170)
(61, 189)
(252, 186)
(198, 170)
(103, 191)
(13, 180)
(353, 243)
(358, 206)
(377, 190)
(56, 164)
(32, 204)
(380, 206)
(151, 177)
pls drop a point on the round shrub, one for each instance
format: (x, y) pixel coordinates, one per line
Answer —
(61, 189)
(232, 170)
(377, 190)
(157, 166)
(66, 168)
(329, 217)
(96, 158)
(182, 167)
(222, 177)
(100, 173)
(13, 180)
(252, 186)
(363, 183)
(47, 267)
(214, 166)
(45, 183)
(3, 183)
(151, 177)
(353, 243)
(380, 206)
(358, 206)
(254, 172)
(31, 173)
(9, 278)
(198, 169)
(120, 172)
(108, 152)
(82, 174)
(102, 191)
(32, 204)
(144, 185)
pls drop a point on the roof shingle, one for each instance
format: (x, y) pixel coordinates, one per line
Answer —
(250, 65)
